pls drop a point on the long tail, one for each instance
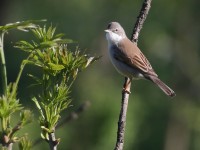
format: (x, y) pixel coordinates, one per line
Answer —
(168, 91)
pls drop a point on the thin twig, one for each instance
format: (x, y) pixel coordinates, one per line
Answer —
(74, 115)
(140, 20)
(122, 117)
(53, 142)
(125, 95)
(15, 86)
(3, 65)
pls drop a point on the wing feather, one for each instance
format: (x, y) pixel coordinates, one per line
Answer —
(134, 58)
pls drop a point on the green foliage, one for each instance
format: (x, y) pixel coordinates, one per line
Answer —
(26, 117)
(25, 143)
(9, 103)
(60, 67)
(7, 108)
(50, 106)
(23, 25)
(51, 53)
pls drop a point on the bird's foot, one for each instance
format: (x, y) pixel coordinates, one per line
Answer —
(126, 87)
(124, 90)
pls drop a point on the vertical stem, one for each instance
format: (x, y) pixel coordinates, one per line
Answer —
(125, 95)
(6, 121)
(10, 146)
(52, 141)
(3, 66)
(122, 117)
(140, 20)
(3, 71)
(15, 86)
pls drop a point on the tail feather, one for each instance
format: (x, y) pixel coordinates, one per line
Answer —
(168, 91)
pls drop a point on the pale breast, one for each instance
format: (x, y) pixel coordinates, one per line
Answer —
(121, 67)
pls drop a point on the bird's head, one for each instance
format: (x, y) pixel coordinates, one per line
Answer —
(115, 33)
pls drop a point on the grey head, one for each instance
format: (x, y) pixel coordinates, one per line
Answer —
(115, 33)
(115, 27)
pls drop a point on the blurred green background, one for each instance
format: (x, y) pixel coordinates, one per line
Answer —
(170, 39)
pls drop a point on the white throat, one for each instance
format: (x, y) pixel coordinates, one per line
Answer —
(113, 38)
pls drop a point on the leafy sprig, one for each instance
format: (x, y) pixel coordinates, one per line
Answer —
(9, 103)
(60, 67)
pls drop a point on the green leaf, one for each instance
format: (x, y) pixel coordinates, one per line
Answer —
(56, 67)
(26, 117)
(23, 25)
(47, 44)
(25, 143)
(50, 32)
(38, 106)
(45, 129)
(42, 135)
(60, 35)
(64, 41)
(25, 46)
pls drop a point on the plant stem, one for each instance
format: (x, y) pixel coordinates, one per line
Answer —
(10, 146)
(125, 95)
(3, 66)
(71, 117)
(15, 86)
(4, 83)
(52, 141)
(140, 20)
(122, 117)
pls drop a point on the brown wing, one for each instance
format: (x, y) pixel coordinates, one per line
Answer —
(134, 58)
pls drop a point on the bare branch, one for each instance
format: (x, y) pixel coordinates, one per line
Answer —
(125, 95)
(140, 20)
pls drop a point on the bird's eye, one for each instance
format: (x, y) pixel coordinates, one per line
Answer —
(116, 30)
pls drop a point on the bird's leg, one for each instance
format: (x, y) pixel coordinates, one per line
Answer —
(127, 86)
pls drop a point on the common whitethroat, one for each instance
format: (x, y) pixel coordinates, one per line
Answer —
(129, 60)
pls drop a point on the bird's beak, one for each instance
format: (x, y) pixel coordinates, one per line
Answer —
(107, 31)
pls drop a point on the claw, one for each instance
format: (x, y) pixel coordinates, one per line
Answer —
(126, 87)
(124, 90)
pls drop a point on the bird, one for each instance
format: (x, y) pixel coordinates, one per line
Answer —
(129, 60)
